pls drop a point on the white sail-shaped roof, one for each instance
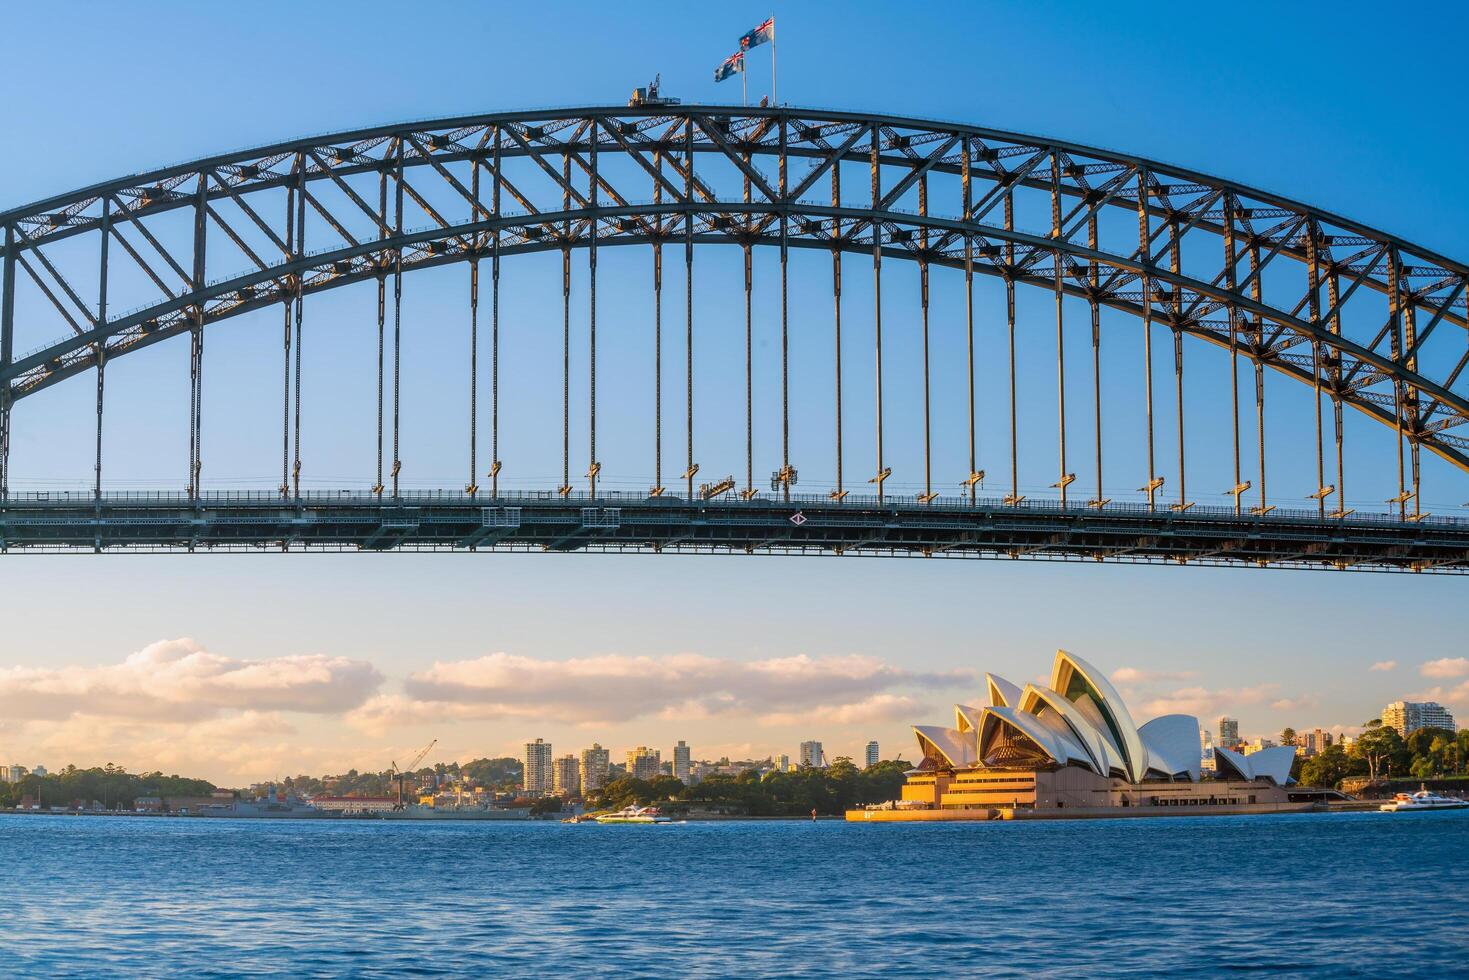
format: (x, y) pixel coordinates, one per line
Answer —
(1273, 763)
(1002, 693)
(1172, 742)
(1073, 678)
(1061, 749)
(966, 718)
(941, 745)
(1104, 758)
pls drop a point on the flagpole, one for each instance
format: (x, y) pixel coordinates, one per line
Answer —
(744, 86)
(774, 97)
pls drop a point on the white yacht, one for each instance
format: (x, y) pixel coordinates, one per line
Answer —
(1424, 800)
(635, 814)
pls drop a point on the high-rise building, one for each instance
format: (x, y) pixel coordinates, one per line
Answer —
(643, 762)
(40, 770)
(594, 763)
(1409, 716)
(780, 762)
(538, 781)
(1314, 743)
(811, 755)
(874, 756)
(13, 774)
(1206, 750)
(681, 762)
(1229, 732)
(565, 779)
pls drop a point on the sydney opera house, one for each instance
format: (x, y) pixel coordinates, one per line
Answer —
(1072, 746)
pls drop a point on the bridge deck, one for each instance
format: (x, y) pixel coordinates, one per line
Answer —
(436, 521)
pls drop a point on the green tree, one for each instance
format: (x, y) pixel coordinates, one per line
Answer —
(1378, 747)
(1328, 768)
(1288, 736)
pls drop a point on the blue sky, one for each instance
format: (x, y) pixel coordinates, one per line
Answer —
(1287, 99)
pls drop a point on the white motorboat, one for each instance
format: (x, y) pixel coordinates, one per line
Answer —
(635, 814)
(1424, 799)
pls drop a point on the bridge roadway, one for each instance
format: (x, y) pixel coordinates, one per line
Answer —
(438, 521)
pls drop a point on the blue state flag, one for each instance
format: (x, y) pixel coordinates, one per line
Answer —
(732, 65)
(763, 34)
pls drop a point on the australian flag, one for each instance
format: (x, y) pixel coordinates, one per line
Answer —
(731, 66)
(760, 35)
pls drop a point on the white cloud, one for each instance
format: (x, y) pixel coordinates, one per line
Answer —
(617, 687)
(178, 680)
(1138, 675)
(1300, 703)
(1446, 667)
(1384, 665)
(1203, 702)
(877, 709)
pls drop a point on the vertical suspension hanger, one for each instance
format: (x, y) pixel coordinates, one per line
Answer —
(196, 344)
(472, 487)
(836, 298)
(882, 472)
(749, 491)
(1257, 356)
(1313, 296)
(495, 328)
(1094, 282)
(1333, 297)
(692, 468)
(1395, 334)
(300, 320)
(565, 488)
(381, 265)
(1014, 497)
(1176, 322)
(657, 489)
(595, 467)
(787, 472)
(1231, 285)
(288, 297)
(976, 475)
(397, 314)
(1145, 258)
(101, 350)
(1057, 273)
(928, 494)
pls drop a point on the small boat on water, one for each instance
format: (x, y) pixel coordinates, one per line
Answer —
(1424, 799)
(634, 814)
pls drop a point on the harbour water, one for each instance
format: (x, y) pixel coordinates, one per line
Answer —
(1363, 894)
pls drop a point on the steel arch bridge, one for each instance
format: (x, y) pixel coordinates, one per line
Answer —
(1365, 321)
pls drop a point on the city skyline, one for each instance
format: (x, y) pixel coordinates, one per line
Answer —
(309, 663)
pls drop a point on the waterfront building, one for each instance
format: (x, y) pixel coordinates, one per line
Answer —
(13, 774)
(537, 779)
(40, 770)
(812, 755)
(1073, 744)
(565, 776)
(681, 763)
(1409, 716)
(1206, 750)
(1229, 732)
(593, 770)
(643, 762)
(874, 755)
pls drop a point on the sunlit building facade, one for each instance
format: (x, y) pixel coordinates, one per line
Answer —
(595, 762)
(538, 780)
(565, 776)
(1409, 716)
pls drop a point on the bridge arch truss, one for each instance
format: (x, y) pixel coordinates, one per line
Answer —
(1370, 322)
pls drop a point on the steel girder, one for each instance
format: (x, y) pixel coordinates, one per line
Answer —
(1393, 359)
(987, 528)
